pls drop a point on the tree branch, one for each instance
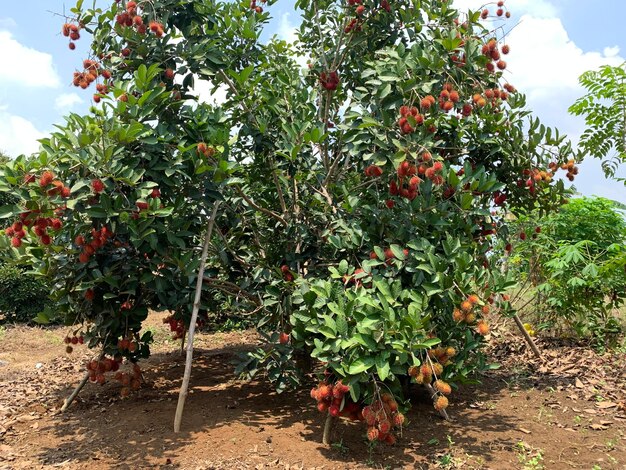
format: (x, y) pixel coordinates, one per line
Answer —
(259, 208)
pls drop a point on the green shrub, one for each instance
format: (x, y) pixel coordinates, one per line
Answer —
(22, 296)
(574, 262)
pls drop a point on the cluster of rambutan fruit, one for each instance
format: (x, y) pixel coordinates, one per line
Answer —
(468, 311)
(257, 8)
(382, 417)
(329, 80)
(129, 380)
(570, 166)
(389, 255)
(205, 150)
(72, 340)
(72, 31)
(407, 183)
(332, 398)
(432, 369)
(40, 228)
(491, 51)
(130, 18)
(91, 72)
(50, 185)
(177, 326)
(484, 14)
(99, 238)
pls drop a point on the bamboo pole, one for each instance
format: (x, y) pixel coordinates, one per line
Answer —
(192, 326)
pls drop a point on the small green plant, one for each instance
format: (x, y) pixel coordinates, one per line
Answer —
(531, 459)
(340, 447)
(445, 460)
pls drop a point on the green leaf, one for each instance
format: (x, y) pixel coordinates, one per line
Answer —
(360, 365)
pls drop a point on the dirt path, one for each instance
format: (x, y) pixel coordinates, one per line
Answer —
(514, 419)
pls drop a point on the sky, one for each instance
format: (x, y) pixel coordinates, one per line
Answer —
(552, 42)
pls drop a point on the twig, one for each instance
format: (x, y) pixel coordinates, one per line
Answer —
(194, 317)
(279, 190)
(261, 209)
(231, 288)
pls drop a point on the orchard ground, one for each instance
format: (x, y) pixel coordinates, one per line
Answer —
(568, 413)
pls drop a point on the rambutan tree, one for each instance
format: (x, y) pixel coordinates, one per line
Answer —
(360, 193)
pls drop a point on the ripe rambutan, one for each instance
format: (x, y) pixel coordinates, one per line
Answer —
(482, 328)
(441, 403)
(384, 426)
(443, 387)
(372, 434)
(97, 186)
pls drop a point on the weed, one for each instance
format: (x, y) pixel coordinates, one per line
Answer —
(531, 459)
(339, 447)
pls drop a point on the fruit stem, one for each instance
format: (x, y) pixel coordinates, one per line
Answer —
(178, 417)
(433, 396)
(328, 427)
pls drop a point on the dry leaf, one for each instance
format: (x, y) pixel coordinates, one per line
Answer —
(603, 405)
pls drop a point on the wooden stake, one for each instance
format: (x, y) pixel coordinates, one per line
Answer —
(192, 326)
(68, 401)
(527, 337)
(328, 427)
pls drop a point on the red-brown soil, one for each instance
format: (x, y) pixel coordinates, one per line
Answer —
(567, 414)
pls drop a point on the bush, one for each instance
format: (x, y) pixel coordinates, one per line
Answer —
(575, 263)
(22, 296)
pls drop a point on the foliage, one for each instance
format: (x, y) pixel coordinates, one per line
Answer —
(356, 223)
(577, 263)
(5, 197)
(22, 295)
(604, 108)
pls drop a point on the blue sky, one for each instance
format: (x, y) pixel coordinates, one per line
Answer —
(553, 42)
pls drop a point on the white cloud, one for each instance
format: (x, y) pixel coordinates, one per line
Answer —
(286, 30)
(203, 89)
(18, 135)
(548, 63)
(66, 101)
(7, 23)
(24, 66)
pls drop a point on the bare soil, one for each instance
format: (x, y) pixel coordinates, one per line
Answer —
(567, 413)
